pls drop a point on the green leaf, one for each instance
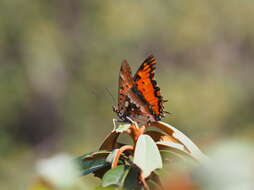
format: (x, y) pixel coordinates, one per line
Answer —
(111, 156)
(89, 166)
(109, 159)
(122, 127)
(93, 161)
(131, 181)
(99, 153)
(175, 149)
(147, 155)
(115, 176)
(189, 146)
(153, 185)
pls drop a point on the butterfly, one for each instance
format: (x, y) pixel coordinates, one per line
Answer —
(139, 97)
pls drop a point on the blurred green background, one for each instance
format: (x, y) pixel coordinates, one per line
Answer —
(57, 58)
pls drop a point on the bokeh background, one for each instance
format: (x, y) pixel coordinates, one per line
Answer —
(57, 58)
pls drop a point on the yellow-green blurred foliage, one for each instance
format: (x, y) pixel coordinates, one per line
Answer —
(57, 58)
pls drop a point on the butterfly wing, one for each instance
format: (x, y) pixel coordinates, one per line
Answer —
(146, 84)
(139, 97)
(131, 103)
(125, 84)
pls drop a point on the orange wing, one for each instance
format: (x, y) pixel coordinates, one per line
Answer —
(146, 84)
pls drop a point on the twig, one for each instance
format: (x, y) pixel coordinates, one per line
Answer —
(118, 154)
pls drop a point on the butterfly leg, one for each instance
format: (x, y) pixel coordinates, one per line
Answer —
(133, 122)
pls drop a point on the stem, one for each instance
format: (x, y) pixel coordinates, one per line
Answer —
(118, 154)
(136, 132)
(143, 180)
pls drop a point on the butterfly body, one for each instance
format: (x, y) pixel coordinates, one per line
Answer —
(139, 98)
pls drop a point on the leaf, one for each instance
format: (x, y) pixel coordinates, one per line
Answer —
(166, 142)
(96, 154)
(93, 161)
(155, 179)
(172, 146)
(158, 136)
(115, 176)
(147, 155)
(111, 156)
(123, 127)
(100, 172)
(110, 141)
(131, 181)
(89, 166)
(173, 156)
(153, 185)
(109, 159)
(181, 138)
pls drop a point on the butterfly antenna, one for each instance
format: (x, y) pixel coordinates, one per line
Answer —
(113, 98)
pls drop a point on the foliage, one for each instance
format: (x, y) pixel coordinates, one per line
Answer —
(57, 57)
(134, 166)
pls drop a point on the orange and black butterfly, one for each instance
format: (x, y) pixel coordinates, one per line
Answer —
(139, 97)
